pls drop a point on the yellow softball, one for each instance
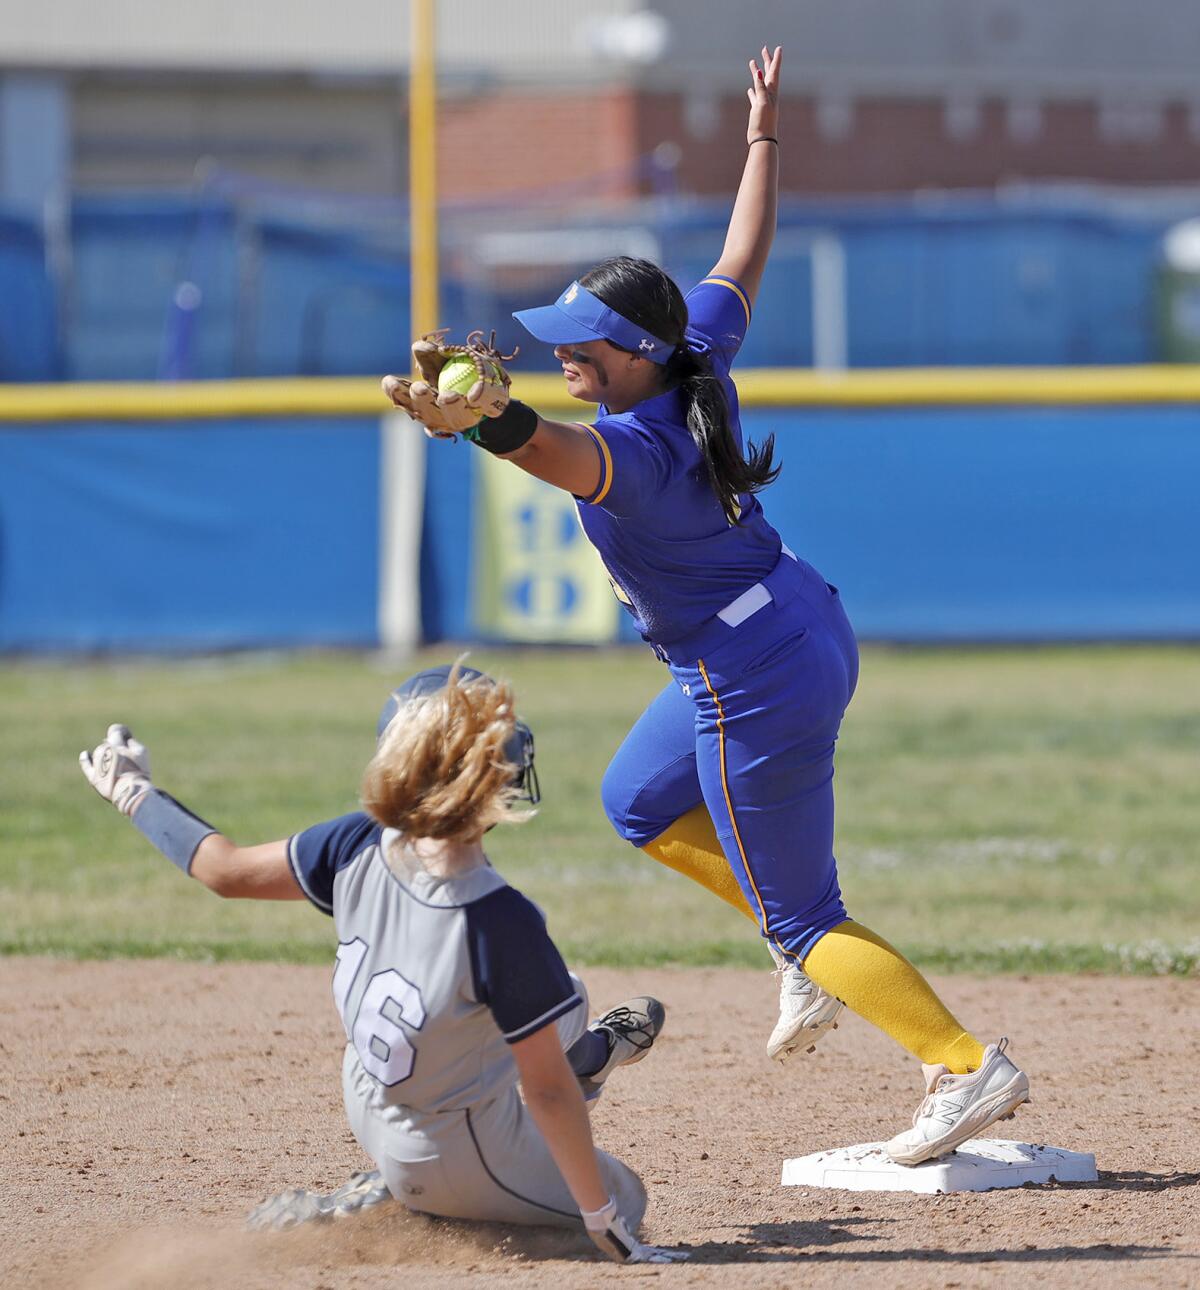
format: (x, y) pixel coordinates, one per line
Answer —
(458, 376)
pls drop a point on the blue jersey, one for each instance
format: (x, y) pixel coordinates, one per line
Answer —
(672, 555)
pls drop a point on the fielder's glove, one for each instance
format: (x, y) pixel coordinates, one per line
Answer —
(612, 1237)
(446, 414)
(118, 769)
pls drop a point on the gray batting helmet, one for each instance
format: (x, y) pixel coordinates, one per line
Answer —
(518, 749)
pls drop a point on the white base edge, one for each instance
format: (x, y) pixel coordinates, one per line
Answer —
(980, 1164)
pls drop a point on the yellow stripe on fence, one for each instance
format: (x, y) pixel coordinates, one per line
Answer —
(185, 400)
(772, 387)
(758, 387)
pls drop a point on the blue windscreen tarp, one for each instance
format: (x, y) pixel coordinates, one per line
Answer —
(189, 536)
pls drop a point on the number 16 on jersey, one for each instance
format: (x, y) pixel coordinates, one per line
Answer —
(382, 1043)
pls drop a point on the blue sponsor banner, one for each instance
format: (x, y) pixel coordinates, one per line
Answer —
(537, 578)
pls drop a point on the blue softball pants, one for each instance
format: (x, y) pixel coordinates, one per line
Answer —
(748, 726)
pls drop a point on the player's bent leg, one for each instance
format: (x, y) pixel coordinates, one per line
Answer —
(489, 1164)
(651, 780)
(689, 846)
(573, 1026)
(622, 1036)
(496, 1167)
(647, 792)
(766, 767)
(767, 780)
(586, 1048)
(651, 795)
(875, 980)
(768, 710)
(806, 1011)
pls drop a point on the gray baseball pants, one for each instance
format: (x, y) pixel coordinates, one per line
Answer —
(489, 1163)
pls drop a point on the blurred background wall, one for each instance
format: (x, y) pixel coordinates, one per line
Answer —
(220, 191)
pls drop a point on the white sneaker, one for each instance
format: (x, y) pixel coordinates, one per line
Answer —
(279, 1213)
(806, 1011)
(631, 1029)
(958, 1107)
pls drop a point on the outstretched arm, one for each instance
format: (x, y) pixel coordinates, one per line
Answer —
(249, 873)
(752, 224)
(119, 770)
(562, 454)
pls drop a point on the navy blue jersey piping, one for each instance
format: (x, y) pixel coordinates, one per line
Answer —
(537, 1204)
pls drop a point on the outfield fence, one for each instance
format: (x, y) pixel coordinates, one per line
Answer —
(949, 505)
(240, 278)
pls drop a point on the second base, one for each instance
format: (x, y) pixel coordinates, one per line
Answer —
(980, 1164)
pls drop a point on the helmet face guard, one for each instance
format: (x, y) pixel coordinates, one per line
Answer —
(518, 749)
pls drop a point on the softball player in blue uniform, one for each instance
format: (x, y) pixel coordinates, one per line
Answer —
(448, 985)
(728, 775)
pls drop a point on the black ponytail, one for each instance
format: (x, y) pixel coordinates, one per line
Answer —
(729, 472)
(643, 293)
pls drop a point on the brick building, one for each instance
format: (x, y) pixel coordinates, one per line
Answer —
(605, 101)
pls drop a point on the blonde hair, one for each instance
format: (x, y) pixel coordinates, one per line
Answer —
(440, 770)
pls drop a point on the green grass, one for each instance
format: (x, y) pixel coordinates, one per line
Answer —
(1012, 810)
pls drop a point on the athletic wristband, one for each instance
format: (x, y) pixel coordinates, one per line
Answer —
(763, 138)
(597, 1220)
(172, 828)
(507, 432)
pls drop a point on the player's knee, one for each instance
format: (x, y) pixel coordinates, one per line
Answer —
(617, 799)
(627, 1190)
(640, 809)
(626, 811)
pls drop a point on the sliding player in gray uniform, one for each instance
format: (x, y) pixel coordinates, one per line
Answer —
(448, 985)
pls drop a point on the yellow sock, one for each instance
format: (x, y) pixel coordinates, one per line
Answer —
(851, 962)
(690, 847)
(880, 984)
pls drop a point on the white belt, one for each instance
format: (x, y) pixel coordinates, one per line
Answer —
(749, 602)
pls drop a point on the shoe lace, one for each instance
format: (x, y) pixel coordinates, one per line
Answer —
(930, 1102)
(630, 1025)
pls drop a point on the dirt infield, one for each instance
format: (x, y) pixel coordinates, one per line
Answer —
(145, 1107)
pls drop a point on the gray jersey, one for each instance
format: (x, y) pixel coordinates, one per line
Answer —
(435, 977)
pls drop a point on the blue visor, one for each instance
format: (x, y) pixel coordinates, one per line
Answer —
(577, 315)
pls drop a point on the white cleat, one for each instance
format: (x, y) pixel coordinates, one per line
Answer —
(295, 1206)
(958, 1107)
(631, 1029)
(806, 1011)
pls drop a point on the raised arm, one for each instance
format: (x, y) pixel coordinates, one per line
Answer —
(119, 770)
(752, 224)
